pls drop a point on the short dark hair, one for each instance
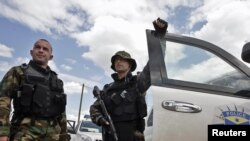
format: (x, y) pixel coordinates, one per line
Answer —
(44, 41)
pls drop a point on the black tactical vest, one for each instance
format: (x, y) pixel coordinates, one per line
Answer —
(40, 95)
(123, 101)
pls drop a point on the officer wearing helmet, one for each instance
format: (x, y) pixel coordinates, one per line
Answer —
(124, 98)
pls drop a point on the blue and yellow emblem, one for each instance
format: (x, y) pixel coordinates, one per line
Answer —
(234, 117)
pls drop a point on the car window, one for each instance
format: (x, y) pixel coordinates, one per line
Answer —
(88, 126)
(193, 64)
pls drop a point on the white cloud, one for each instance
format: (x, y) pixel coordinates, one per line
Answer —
(175, 54)
(66, 67)
(5, 66)
(73, 114)
(73, 84)
(71, 61)
(86, 67)
(185, 3)
(21, 60)
(43, 15)
(72, 88)
(126, 35)
(53, 66)
(116, 25)
(227, 23)
(130, 10)
(6, 51)
(97, 78)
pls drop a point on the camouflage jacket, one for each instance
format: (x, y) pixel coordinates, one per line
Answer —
(11, 81)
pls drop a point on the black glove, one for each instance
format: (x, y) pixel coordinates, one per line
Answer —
(139, 136)
(160, 26)
(103, 122)
(140, 125)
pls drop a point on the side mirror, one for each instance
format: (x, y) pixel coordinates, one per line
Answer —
(71, 127)
(71, 130)
(245, 55)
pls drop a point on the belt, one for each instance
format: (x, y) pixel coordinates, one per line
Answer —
(38, 122)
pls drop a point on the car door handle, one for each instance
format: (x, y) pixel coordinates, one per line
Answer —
(180, 106)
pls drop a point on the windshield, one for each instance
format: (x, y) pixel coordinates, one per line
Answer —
(88, 126)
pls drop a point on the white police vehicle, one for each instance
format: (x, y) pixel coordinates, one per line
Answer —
(86, 130)
(193, 84)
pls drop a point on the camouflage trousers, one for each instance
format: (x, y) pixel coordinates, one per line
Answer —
(38, 130)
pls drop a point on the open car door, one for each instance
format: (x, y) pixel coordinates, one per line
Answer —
(194, 84)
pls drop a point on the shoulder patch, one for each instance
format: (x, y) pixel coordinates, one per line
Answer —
(20, 70)
(24, 66)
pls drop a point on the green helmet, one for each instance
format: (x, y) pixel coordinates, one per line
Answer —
(124, 55)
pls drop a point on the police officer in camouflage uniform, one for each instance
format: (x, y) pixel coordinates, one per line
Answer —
(125, 97)
(38, 99)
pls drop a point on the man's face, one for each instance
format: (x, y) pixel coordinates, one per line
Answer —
(121, 65)
(41, 52)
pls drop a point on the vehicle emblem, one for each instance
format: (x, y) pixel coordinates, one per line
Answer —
(234, 117)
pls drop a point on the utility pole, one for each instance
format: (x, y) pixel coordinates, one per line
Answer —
(80, 107)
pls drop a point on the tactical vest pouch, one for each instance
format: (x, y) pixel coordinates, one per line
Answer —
(48, 104)
(26, 95)
(60, 102)
(130, 100)
(130, 97)
(56, 85)
(116, 98)
(130, 109)
(41, 96)
(118, 111)
(125, 108)
(124, 105)
(60, 98)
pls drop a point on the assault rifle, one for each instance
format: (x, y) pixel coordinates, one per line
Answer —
(97, 94)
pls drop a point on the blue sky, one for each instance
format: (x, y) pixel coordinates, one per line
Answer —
(85, 34)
